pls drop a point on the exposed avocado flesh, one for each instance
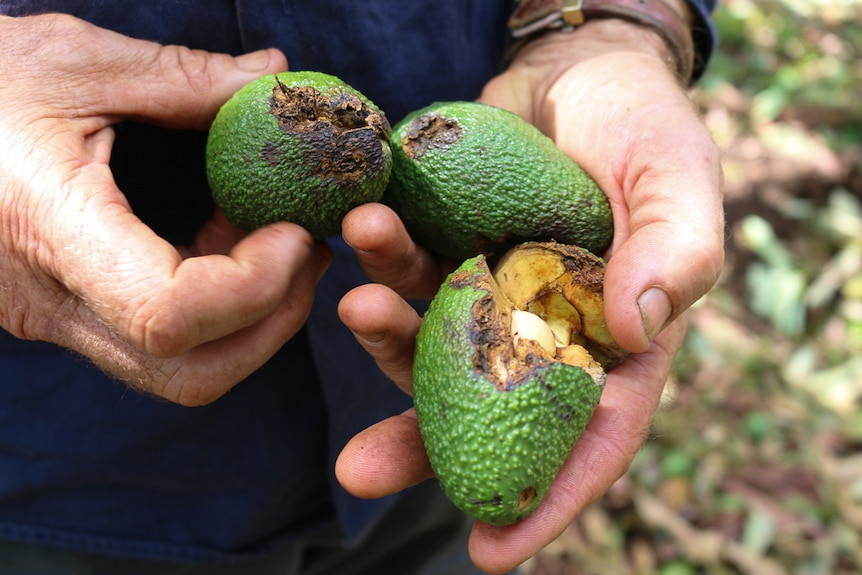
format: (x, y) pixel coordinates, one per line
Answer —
(508, 371)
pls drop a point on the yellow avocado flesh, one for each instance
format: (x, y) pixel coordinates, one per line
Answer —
(501, 402)
(563, 285)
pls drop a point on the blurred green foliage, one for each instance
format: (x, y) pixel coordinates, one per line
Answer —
(754, 465)
(772, 368)
(805, 53)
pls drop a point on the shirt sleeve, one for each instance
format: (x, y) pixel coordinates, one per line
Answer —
(704, 34)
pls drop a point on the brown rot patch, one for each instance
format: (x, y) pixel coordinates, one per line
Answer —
(344, 138)
(526, 497)
(496, 356)
(462, 279)
(582, 269)
(494, 501)
(270, 153)
(429, 131)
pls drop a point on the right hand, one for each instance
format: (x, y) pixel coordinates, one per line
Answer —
(608, 101)
(77, 268)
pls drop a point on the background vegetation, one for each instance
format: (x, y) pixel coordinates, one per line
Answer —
(755, 463)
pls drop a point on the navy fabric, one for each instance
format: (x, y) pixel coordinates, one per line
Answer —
(87, 463)
(703, 32)
(90, 463)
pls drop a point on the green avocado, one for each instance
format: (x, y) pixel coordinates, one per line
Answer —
(509, 368)
(301, 147)
(470, 178)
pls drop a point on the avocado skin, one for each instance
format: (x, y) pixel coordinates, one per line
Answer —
(261, 170)
(469, 178)
(491, 444)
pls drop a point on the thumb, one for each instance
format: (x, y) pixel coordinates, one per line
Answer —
(116, 76)
(185, 88)
(644, 144)
(671, 251)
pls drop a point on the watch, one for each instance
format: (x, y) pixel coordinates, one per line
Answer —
(533, 17)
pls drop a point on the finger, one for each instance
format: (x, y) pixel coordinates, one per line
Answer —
(127, 77)
(205, 372)
(384, 459)
(648, 151)
(163, 304)
(674, 250)
(386, 327)
(222, 294)
(388, 255)
(187, 87)
(601, 455)
(217, 236)
(208, 371)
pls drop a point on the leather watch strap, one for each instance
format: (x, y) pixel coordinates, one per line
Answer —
(537, 16)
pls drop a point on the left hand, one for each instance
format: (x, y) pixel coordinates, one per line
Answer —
(624, 118)
(79, 269)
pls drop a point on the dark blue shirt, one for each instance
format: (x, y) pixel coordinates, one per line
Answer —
(86, 462)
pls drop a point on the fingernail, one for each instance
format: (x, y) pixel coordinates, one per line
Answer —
(253, 61)
(655, 311)
(358, 251)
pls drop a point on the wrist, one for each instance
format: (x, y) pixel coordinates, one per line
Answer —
(544, 59)
(593, 38)
(666, 27)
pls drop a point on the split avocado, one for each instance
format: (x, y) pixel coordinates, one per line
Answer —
(509, 367)
(301, 147)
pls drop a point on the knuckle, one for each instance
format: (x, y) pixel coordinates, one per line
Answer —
(190, 67)
(185, 386)
(162, 335)
(156, 329)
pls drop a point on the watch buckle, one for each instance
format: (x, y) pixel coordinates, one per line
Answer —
(573, 12)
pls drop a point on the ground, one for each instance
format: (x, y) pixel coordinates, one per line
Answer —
(754, 465)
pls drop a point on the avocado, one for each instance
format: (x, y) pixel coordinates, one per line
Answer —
(470, 178)
(301, 147)
(509, 367)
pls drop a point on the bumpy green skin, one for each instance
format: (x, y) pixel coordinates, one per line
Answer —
(488, 446)
(259, 173)
(499, 183)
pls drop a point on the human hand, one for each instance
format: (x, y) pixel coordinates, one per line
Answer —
(624, 118)
(77, 268)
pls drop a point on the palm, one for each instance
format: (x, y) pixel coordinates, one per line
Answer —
(625, 121)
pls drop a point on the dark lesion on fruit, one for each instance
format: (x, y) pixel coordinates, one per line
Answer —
(461, 279)
(429, 131)
(345, 138)
(496, 500)
(582, 268)
(270, 153)
(505, 365)
(526, 497)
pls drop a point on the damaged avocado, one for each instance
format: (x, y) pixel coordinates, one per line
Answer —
(302, 147)
(509, 367)
(470, 178)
